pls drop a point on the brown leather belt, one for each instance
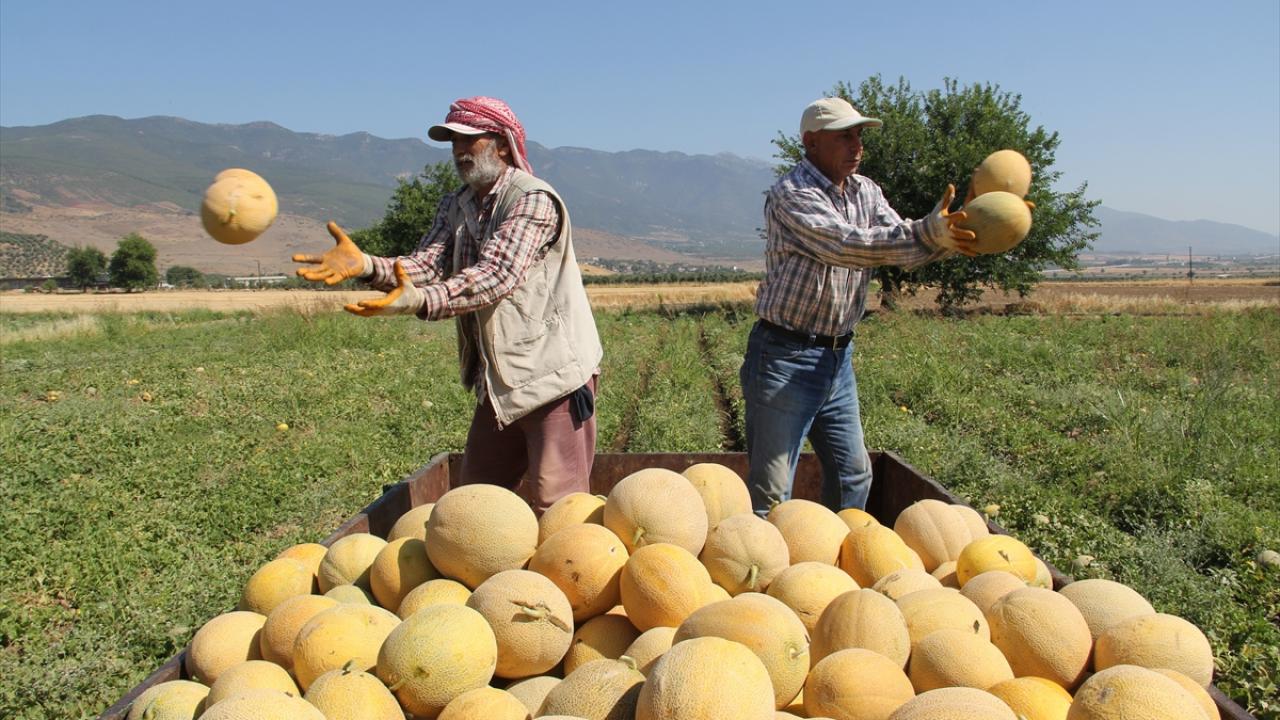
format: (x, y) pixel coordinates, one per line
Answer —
(834, 342)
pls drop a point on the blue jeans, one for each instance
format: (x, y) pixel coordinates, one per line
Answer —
(793, 391)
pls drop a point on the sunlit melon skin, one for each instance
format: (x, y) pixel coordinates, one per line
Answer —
(1000, 219)
(238, 207)
(1006, 170)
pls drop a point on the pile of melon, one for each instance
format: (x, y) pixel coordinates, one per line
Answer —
(670, 600)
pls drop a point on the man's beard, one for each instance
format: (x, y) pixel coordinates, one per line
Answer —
(486, 167)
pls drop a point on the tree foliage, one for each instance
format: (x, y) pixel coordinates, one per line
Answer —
(937, 137)
(184, 276)
(410, 212)
(85, 265)
(133, 264)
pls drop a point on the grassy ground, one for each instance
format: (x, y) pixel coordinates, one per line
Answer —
(142, 477)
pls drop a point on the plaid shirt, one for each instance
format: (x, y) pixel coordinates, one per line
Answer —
(820, 243)
(490, 270)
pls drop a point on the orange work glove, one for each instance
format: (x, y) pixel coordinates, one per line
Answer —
(404, 299)
(941, 226)
(341, 262)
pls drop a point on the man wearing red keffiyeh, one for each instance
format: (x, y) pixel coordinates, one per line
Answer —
(499, 259)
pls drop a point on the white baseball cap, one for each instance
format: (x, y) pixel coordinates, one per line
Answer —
(833, 113)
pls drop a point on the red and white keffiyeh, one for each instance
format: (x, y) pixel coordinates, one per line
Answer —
(492, 115)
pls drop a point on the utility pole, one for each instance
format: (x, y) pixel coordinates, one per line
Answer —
(1191, 274)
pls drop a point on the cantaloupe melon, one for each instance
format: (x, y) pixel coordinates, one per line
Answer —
(576, 508)
(532, 692)
(1202, 696)
(954, 703)
(904, 582)
(744, 553)
(707, 677)
(1128, 691)
(531, 621)
(435, 655)
(1044, 577)
(645, 650)
(477, 531)
(995, 552)
(808, 588)
(263, 705)
(602, 637)
(412, 524)
(485, 703)
(1042, 634)
(238, 207)
(927, 611)
(984, 589)
(351, 594)
(334, 637)
(1000, 219)
(934, 530)
(857, 517)
(956, 658)
(281, 628)
(723, 492)
(662, 584)
(1103, 603)
(348, 561)
(812, 531)
(227, 639)
(973, 520)
(309, 554)
(654, 506)
(273, 583)
(766, 627)
(351, 693)
(1033, 698)
(869, 553)
(585, 561)
(856, 684)
(433, 592)
(1006, 170)
(599, 690)
(1154, 641)
(170, 700)
(251, 675)
(398, 568)
(861, 619)
(946, 575)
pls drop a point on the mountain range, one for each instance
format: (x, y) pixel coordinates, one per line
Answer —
(93, 179)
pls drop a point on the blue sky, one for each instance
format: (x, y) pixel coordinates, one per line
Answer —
(1169, 109)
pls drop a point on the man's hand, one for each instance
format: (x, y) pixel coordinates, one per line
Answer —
(942, 226)
(404, 299)
(340, 263)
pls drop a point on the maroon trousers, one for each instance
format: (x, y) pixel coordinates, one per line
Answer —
(543, 456)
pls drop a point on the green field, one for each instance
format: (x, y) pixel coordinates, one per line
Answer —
(143, 478)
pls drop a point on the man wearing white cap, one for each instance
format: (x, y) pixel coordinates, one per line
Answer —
(499, 258)
(826, 228)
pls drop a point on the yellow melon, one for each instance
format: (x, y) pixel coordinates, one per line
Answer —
(927, 611)
(348, 561)
(707, 677)
(766, 627)
(723, 492)
(956, 658)
(170, 700)
(399, 567)
(476, 531)
(813, 533)
(585, 561)
(281, 628)
(869, 553)
(532, 692)
(715, 593)
(226, 640)
(485, 703)
(273, 583)
(1043, 578)
(934, 530)
(602, 637)
(599, 690)
(1128, 691)
(1104, 603)
(808, 588)
(645, 650)
(351, 693)
(1033, 698)
(251, 675)
(662, 584)
(856, 684)
(857, 517)
(946, 575)
(1202, 696)
(238, 207)
(973, 520)
(904, 582)
(263, 705)
(744, 553)
(1157, 641)
(309, 554)
(412, 524)
(1000, 219)
(339, 635)
(984, 589)
(576, 508)
(351, 594)
(1006, 170)
(1042, 634)
(954, 703)
(654, 506)
(995, 552)
(435, 655)
(441, 591)
(531, 621)
(861, 619)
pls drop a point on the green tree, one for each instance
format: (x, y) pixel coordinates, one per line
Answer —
(85, 265)
(183, 276)
(133, 264)
(410, 212)
(937, 137)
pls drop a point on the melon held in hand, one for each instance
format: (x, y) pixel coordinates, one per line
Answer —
(1000, 219)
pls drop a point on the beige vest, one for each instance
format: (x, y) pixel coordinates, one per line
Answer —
(539, 343)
